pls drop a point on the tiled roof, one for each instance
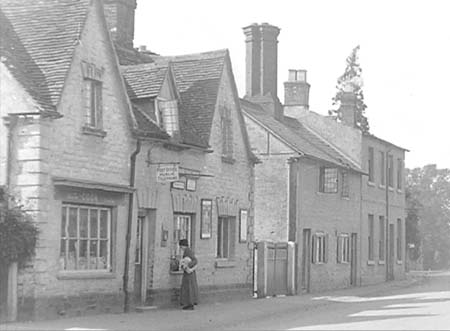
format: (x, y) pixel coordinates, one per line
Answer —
(298, 136)
(146, 126)
(128, 56)
(198, 78)
(40, 37)
(144, 80)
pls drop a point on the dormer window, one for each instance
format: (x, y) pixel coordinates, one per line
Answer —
(167, 115)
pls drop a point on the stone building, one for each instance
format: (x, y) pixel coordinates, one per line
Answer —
(114, 173)
(319, 167)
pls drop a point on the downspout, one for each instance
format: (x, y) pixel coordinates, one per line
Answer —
(133, 156)
(11, 122)
(388, 253)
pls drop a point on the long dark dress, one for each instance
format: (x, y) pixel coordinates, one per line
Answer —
(189, 287)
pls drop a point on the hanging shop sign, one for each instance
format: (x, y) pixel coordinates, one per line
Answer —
(167, 173)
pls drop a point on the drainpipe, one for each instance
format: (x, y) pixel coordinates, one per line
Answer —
(10, 123)
(133, 156)
(387, 216)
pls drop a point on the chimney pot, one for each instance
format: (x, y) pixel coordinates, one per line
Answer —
(142, 48)
(296, 89)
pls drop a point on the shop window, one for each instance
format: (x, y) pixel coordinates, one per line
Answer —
(370, 238)
(182, 229)
(319, 248)
(85, 238)
(371, 164)
(345, 189)
(226, 237)
(328, 180)
(343, 248)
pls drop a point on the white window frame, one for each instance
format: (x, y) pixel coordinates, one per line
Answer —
(320, 248)
(370, 166)
(94, 103)
(66, 238)
(345, 187)
(226, 224)
(179, 233)
(168, 115)
(343, 248)
(371, 237)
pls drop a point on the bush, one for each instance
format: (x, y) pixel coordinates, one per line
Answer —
(18, 236)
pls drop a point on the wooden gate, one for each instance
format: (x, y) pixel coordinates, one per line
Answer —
(275, 269)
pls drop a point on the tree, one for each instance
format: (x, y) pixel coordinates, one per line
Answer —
(352, 77)
(428, 217)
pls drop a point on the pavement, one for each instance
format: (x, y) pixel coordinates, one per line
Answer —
(308, 311)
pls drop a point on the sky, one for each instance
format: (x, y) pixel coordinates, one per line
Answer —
(405, 55)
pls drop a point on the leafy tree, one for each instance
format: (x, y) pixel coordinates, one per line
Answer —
(428, 221)
(18, 234)
(352, 77)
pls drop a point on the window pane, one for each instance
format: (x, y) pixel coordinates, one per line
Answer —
(62, 255)
(93, 251)
(83, 258)
(104, 224)
(219, 237)
(83, 223)
(73, 222)
(103, 259)
(226, 236)
(72, 255)
(94, 223)
(63, 222)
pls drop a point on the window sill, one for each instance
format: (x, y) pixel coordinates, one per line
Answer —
(94, 131)
(228, 159)
(391, 189)
(85, 275)
(370, 262)
(345, 198)
(343, 263)
(223, 263)
(399, 262)
(369, 183)
(381, 262)
(399, 191)
(179, 272)
(381, 186)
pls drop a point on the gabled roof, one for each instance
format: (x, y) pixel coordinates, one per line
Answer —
(144, 80)
(197, 77)
(38, 39)
(297, 136)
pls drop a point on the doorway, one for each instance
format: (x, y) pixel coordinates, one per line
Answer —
(353, 258)
(143, 261)
(306, 261)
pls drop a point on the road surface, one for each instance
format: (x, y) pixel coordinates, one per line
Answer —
(413, 304)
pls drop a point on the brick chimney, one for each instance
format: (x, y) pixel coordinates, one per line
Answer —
(296, 89)
(119, 16)
(347, 108)
(261, 59)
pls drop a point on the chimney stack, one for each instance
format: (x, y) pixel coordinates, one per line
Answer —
(261, 59)
(347, 108)
(296, 89)
(119, 16)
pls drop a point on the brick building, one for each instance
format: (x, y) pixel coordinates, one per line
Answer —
(320, 169)
(87, 152)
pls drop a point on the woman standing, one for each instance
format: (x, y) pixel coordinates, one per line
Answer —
(189, 287)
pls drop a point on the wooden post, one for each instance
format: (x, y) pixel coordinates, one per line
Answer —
(12, 293)
(291, 268)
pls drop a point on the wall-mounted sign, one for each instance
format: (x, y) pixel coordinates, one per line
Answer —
(206, 219)
(191, 184)
(243, 216)
(179, 185)
(167, 173)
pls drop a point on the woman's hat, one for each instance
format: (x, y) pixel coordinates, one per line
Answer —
(183, 242)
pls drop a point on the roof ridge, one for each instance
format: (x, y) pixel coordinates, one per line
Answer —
(192, 56)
